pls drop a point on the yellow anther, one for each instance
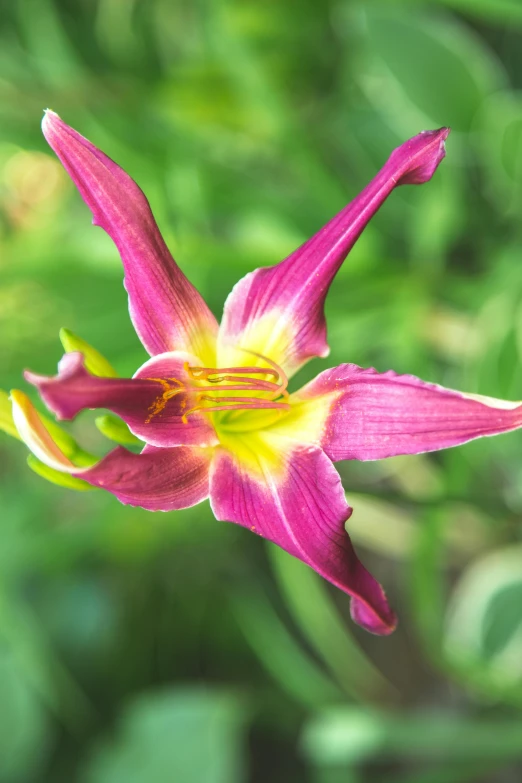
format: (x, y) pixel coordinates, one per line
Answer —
(263, 393)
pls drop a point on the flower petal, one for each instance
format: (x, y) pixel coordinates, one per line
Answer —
(370, 415)
(35, 434)
(292, 495)
(156, 479)
(278, 311)
(166, 310)
(7, 424)
(133, 399)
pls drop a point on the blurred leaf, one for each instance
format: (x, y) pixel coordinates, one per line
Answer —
(114, 25)
(438, 219)
(24, 725)
(454, 71)
(484, 624)
(499, 129)
(280, 653)
(22, 635)
(310, 604)
(190, 735)
(48, 46)
(496, 10)
(344, 735)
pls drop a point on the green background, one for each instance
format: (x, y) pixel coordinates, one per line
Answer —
(170, 647)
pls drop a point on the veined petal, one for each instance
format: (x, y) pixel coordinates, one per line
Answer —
(369, 415)
(166, 310)
(156, 479)
(291, 494)
(135, 400)
(279, 311)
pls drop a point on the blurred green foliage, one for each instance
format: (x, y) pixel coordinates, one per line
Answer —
(138, 646)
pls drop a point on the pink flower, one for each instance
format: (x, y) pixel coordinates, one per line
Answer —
(211, 404)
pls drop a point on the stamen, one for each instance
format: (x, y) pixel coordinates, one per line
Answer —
(224, 379)
(160, 402)
(279, 370)
(202, 373)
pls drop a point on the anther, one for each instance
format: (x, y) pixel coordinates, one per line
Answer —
(264, 393)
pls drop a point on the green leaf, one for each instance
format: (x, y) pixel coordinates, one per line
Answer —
(496, 10)
(484, 624)
(348, 735)
(24, 728)
(189, 735)
(427, 579)
(311, 606)
(279, 652)
(499, 127)
(94, 361)
(453, 71)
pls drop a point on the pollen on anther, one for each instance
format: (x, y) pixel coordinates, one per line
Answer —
(156, 407)
(160, 402)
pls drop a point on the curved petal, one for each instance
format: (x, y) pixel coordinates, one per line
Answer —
(292, 495)
(156, 479)
(36, 436)
(133, 399)
(166, 310)
(278, 311)
(369, 415)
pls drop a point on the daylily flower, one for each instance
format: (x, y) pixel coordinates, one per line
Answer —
(212, 404)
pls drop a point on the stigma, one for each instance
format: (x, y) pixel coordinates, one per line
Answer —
(207, 389)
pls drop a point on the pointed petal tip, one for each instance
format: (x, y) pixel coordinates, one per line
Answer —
(420, 156)
(33, 378)
(48, 119)
(367, 618)
(440, 133)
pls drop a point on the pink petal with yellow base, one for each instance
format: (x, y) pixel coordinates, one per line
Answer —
(166, 310)
(279, 311)
(374, 415)
(293, 496)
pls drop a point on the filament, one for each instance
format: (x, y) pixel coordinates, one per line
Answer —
(205, 384)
